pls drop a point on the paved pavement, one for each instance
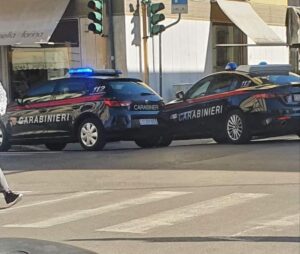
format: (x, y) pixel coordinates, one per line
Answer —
(189, 198)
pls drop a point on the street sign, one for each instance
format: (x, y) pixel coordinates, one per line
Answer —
(179, 6)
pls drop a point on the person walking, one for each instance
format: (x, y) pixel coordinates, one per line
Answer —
(3, 100)
(10, 197)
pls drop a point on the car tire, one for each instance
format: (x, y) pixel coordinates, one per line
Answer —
(91, 135)
(164, 141)
(4, 142)
(147, 142)
(235, 128)
(56, 146)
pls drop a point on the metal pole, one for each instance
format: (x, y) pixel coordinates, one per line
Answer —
(111, 34)
(160, 65)
(145, 44)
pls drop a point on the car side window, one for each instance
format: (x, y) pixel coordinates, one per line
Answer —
(223, 83)
(40, 93)
(199, 89)
(244, 82)
(70, 88)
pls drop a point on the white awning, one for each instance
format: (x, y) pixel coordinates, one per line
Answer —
(245, 18)
(29, 22)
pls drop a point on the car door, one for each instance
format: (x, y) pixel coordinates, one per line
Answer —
(28, 118)
(218, 99)
(185, 114)
(68, 100)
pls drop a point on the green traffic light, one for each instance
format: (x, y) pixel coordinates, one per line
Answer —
(156, 7)
(157, 29)
(96, 28)
(95, 16)
(96, 5)
(157, 18)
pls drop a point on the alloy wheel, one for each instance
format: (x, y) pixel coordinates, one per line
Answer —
(235, 127)
(89, 134)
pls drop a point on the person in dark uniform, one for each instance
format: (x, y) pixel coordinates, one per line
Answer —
(10, 197)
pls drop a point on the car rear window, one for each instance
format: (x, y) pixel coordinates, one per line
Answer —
(128, 89)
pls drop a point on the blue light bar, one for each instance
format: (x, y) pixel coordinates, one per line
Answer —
(83, 71)
(231, 66)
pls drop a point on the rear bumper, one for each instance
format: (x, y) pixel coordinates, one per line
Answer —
(281, 123)
(130, 127)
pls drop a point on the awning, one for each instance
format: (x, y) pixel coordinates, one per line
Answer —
(29, 22)
(245, 18)
(293, 25)
(48, 58)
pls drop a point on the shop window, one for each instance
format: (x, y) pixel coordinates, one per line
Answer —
(226, 34)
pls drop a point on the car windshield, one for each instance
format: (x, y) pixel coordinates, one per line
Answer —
(280, 79)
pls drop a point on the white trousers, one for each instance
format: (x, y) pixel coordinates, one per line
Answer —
(3, 183)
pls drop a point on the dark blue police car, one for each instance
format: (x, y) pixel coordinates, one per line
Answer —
(235, 105)
(90, 107)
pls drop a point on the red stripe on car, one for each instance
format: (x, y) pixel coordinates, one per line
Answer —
(56, 103)
(207, 98)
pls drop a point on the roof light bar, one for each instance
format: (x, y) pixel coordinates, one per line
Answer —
(85, 71)
(92, 72)
(268, 69)
(231, 66)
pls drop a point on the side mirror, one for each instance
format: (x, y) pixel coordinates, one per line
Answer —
(180, 95)
(19, 101)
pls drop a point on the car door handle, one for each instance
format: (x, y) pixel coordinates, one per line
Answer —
(43, 110)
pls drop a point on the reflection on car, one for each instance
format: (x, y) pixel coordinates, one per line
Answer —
(237, 105)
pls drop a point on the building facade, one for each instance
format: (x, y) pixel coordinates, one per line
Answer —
(204, 40)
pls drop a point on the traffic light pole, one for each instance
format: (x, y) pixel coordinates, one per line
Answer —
(160, 52)
(145, 44)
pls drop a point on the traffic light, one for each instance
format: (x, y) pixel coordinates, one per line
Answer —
(96, 16)
(155, 18)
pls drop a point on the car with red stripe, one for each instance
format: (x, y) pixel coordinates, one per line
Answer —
(237, 105)
(90, 107)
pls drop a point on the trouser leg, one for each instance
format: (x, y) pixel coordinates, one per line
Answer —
(3, 183)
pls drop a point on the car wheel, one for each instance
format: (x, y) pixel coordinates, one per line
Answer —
(91, 135)
(236, 131)
(4, 143)
(147, 142)
(164, 141)
(56, 146)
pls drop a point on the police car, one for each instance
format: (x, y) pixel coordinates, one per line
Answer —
(236, 105)
(90, 107)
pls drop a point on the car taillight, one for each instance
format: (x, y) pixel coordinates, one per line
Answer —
(114, 103)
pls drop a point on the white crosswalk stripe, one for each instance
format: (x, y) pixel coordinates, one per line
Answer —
(286, 221)
(82, 214)
(52, 201)
(171, 217)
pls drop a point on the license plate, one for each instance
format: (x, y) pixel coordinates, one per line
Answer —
(148, 122)
(297, 97)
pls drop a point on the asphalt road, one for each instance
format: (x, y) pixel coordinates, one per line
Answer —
(193, 197)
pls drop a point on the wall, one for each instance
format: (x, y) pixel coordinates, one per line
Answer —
(272, 55)
(185, 54)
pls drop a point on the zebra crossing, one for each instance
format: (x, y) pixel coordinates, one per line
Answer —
(169, 217)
